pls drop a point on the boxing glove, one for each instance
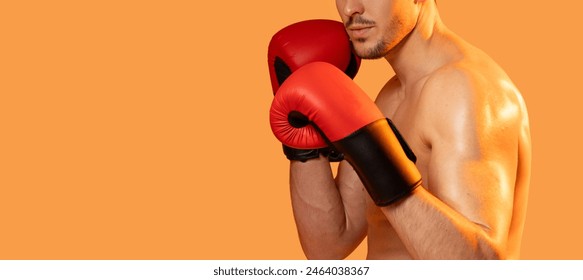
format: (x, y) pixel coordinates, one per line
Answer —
(319, 105)
(304, 42)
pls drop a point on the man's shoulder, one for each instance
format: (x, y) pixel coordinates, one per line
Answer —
(455, 77)
(469, 80)
(471, 88)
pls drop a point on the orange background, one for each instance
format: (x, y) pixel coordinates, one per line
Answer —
(139, 129)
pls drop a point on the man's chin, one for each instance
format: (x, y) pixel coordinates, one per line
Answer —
(369, 52)
(366, 48)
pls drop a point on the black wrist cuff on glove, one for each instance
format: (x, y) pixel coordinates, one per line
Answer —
(301, 155)
(305, 155)
(387, 173)
(332, 154)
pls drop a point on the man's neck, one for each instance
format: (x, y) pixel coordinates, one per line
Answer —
(422, 51)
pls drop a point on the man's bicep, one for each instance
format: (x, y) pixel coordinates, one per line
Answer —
(479, 189)
(472, 167)
(472, 172)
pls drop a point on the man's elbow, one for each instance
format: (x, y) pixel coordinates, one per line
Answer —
(322, 256)
(488, 249)
(493, 254)
(335, 253)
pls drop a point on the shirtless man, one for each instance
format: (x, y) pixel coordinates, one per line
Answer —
(468, 126)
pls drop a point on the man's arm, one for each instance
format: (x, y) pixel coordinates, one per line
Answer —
(466, 213)
(330, 213)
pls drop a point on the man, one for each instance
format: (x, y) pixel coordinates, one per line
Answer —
(468, 126)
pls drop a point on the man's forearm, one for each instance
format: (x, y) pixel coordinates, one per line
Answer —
(432, 230)
(319, 211)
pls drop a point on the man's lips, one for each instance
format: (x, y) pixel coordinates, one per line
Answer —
(359, 31)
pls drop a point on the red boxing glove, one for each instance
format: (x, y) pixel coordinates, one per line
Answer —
(319, 105)
(304, 42)
(309, 41)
